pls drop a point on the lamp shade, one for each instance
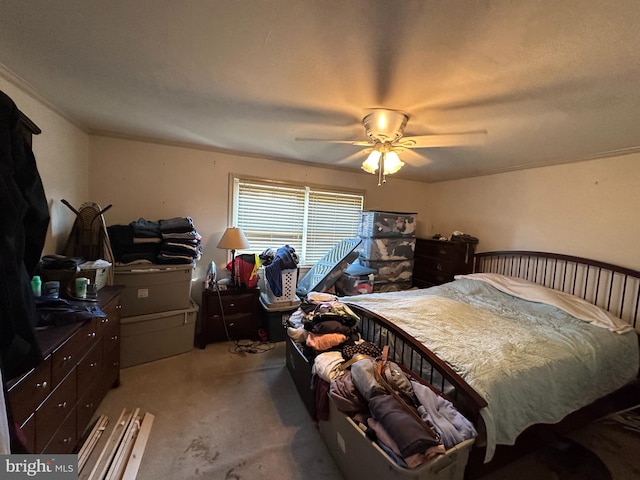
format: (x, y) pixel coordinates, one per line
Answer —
(233, 239)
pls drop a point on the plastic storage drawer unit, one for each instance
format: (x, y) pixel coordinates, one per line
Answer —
(387, 248)
(154, 288)
(387, 224)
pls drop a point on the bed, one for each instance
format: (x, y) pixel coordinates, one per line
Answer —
(443, 336)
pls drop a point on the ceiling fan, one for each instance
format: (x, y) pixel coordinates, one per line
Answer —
(385, 129)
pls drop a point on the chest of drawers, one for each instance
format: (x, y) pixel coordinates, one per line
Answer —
(438, 261)
(54, 402)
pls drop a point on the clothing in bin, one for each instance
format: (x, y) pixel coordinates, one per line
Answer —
(284, 258)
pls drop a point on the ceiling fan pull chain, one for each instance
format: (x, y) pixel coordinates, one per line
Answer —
(381, 176)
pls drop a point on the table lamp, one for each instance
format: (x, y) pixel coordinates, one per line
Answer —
(233, 239)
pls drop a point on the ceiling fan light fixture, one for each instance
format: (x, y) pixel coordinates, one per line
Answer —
(385, 126)
(385, 156)
(370, 165)
(392, 163)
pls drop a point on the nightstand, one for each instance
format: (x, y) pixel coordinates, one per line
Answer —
(235, 309)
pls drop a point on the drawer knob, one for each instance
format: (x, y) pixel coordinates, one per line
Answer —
(232, 304)
(42, 385)
(114, 337)
(439, 267)
(104, 320)
(89, 405)
(62, 405)
(67, 358)
(118, 307)
(91, 335)
(67, 440)
(93, 364)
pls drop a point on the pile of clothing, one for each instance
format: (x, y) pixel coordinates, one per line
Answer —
(323, 324)
(407, 419)
(171, 241)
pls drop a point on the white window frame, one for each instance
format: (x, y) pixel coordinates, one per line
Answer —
(305, 194)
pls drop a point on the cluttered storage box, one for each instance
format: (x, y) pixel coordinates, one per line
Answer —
(376, 223)
(154, 288)
(347, 442)
(145, 338)
(356, 280)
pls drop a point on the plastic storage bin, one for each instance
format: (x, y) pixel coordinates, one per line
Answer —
(153, 288)
(387, 224)
(358, 457)
(388, 248)
(145, 338)
(275, 315)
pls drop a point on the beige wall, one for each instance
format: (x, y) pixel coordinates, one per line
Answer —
(587, 209)
(61, 152)
(155, 181)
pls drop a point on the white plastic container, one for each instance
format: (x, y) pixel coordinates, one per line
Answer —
(289, 280)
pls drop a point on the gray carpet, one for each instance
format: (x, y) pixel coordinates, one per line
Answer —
(220, 415)
(224, 415)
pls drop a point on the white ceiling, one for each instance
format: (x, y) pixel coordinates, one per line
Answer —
(550, 81)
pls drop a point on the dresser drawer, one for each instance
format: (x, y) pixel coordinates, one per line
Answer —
(231, 304)
(30, 391)
(444, 265)
(242, 326)
(54, 410)
(438, 249)
(87, 406)
(111, 338)
(90, 367)
(65, 438)
(70, 352)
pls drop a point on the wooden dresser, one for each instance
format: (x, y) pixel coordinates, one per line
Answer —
(54, 402)
(437, 261)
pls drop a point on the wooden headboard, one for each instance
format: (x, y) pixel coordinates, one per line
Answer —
(613, 288)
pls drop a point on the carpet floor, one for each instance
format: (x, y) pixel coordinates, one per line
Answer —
(220, 414)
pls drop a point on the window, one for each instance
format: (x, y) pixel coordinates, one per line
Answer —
(312, 220)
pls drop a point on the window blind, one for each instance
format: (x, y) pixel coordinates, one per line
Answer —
(310, 220)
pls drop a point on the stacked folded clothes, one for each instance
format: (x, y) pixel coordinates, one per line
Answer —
(174, 241)
(180, 241)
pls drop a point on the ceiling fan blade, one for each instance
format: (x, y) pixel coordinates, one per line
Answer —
(358, 143)
(474, 137)
(357, 156)
(413, 158)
